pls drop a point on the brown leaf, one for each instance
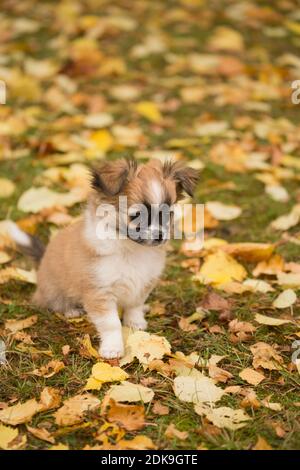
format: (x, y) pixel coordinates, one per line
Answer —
(185, 325)
(130, 417)
(251, 376)
(172, 432)
(73, 409)
(41, 433)
(265, 356)
(50, 369)
(160, 409)
(18, 325)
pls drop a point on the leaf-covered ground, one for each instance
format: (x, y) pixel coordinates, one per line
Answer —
(209, 82)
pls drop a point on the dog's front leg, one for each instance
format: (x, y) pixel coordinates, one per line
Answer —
(103, 313)
(134, 317)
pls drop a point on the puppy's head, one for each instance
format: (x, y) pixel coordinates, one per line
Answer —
(150, 189)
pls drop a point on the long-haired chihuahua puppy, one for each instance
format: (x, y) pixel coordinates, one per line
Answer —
(82, 270)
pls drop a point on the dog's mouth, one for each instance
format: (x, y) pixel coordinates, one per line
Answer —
(149, 237)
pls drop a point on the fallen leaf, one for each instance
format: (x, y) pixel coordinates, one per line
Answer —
(130, 417)
(50, 398)
(17, 325)
(286, 299)
(285, 222)
(224, 417)
(50, 369)
(74, 408)
(265, 356)
(289, 280)
(149, 110)
(145, 347)
(20, 413)
(41, 433)
(272, 266)
(86, 348)
(219, 268)
(197, 390)
(256, 285)
(103, 372)
(17, 274)
(7, 188)
(7, 435)
(264, 320)
(173, 433)
(160, 409)
(222, 211)
(251, 252)
(130, 392)
(251, 376)
(36, 199)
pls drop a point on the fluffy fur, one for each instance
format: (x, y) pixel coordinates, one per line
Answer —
(79, 272)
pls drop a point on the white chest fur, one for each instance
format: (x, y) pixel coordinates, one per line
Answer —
(129, 271)
(123, 268)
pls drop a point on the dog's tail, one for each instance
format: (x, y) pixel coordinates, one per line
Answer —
(27, 244)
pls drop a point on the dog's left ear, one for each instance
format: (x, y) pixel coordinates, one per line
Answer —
(185, 176)
(111, 178)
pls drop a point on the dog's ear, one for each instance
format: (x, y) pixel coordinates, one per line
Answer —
(186, 178)
(111, 177)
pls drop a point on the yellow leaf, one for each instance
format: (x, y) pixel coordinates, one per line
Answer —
(93, 384)
(86, 349)
(149, 110)
(107, 373)
(7, 188)
(17, 274)
(20, 413)
(102, 140)
(102, 373)
(252, 252)
(145, 347)
(293, 26)
(17, 325)
(7, 435)
(219, 268)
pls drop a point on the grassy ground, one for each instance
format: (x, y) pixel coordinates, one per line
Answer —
(186, 27)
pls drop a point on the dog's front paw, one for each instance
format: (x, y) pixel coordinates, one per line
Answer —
(110, 349)
(135, 323)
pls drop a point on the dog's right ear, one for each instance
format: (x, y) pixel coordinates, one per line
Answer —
(111, 177)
